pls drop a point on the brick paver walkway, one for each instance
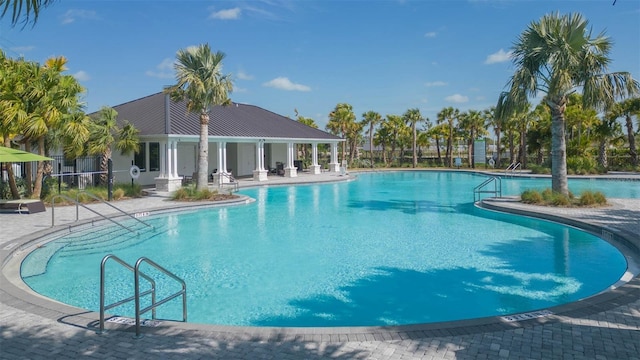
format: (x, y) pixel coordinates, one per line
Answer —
(603, 327)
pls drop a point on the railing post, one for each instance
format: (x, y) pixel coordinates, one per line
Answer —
(136, 277)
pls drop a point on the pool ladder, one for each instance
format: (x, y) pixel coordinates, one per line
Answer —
(137, 295)
(79, 204)
(483, 188)
(512, 168)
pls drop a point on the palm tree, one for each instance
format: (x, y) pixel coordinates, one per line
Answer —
(104, 132)
(340, 123)
(371, 119)
(604, 131)
(200, 81)
(413, 117)
(448, 116)
(628, 108)
(30, 7)
(557, 56)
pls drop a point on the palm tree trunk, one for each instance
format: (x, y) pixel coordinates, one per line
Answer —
(438, 150)
(15, 194)
(37, 188)
(632, 141)
(415, 153)
(371, 144)
(497, 149)
(28, 170)
(203, 152)
(558, 147)
(450, 147)
(602, 154)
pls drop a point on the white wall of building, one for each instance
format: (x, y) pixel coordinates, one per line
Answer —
(278, 154)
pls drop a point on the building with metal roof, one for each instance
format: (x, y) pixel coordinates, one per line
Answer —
(244, 140)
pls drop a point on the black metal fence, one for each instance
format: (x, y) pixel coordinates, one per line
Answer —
(81, 172)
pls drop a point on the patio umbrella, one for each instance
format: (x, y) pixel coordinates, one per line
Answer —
(14, 155)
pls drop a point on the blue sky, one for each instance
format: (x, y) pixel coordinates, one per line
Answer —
(386, 56)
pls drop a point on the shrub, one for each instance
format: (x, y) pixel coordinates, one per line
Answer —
(531, 197)
(549, 197)
(538, 169)
(118, 194)
(181, 194)
(589, 198)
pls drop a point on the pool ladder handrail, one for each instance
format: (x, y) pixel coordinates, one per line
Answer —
(497, 188)
(512, 168)
(78, 204)
(137, 294)
(232, 181)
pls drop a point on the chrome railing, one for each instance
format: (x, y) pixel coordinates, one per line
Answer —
(481, 189)
(137, 294)
(78, 204)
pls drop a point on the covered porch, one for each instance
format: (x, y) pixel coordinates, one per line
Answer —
(231, 159)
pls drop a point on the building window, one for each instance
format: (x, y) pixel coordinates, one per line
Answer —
(154, 156)
(139, 158)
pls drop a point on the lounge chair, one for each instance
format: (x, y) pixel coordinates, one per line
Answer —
(23, 205)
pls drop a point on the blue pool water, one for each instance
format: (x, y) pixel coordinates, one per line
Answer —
(386, 249)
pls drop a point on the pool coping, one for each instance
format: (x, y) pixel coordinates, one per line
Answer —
(16, 293)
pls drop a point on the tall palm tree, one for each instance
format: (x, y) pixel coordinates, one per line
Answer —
(628, 108)
(200, 81)
(104, 132)
(23, 9)
(449, 116)
(340, 123)
(413, 117)
(557, 56)
(371, 119)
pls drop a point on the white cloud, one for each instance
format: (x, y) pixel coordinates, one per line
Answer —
(82, 76)
(500, 56)
(22, 49)
(435, 83)
(284, 83)
(74, 14)
(164, 70)
(457, 98)
(244, 76)
(430, 34)
(227, 14)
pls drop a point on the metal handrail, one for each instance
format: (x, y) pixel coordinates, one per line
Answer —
(497, 188)
(104, 308)
(78, 204)
(512, 167)
(137, 294)
(232, 180)
(112, 206)
(53, 212)
(154, 304)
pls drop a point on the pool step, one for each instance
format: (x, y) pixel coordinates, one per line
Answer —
(114, 239)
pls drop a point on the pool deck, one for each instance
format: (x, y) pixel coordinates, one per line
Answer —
(606, 326)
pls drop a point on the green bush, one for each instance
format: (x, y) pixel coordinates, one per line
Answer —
(538, 169)
(589, 198)
(531, 197)
(549, 197)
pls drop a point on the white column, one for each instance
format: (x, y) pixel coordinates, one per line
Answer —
(260, 174)
(174, 161)
(169, 170)
(334, 166)
(222, 163)
(290, 170)
(163, 159)
(315, 168)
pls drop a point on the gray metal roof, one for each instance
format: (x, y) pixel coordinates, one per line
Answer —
(149, 115)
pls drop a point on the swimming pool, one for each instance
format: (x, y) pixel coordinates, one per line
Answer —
(387, 249)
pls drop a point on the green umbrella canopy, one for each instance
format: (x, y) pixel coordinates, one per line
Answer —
(14, 155)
